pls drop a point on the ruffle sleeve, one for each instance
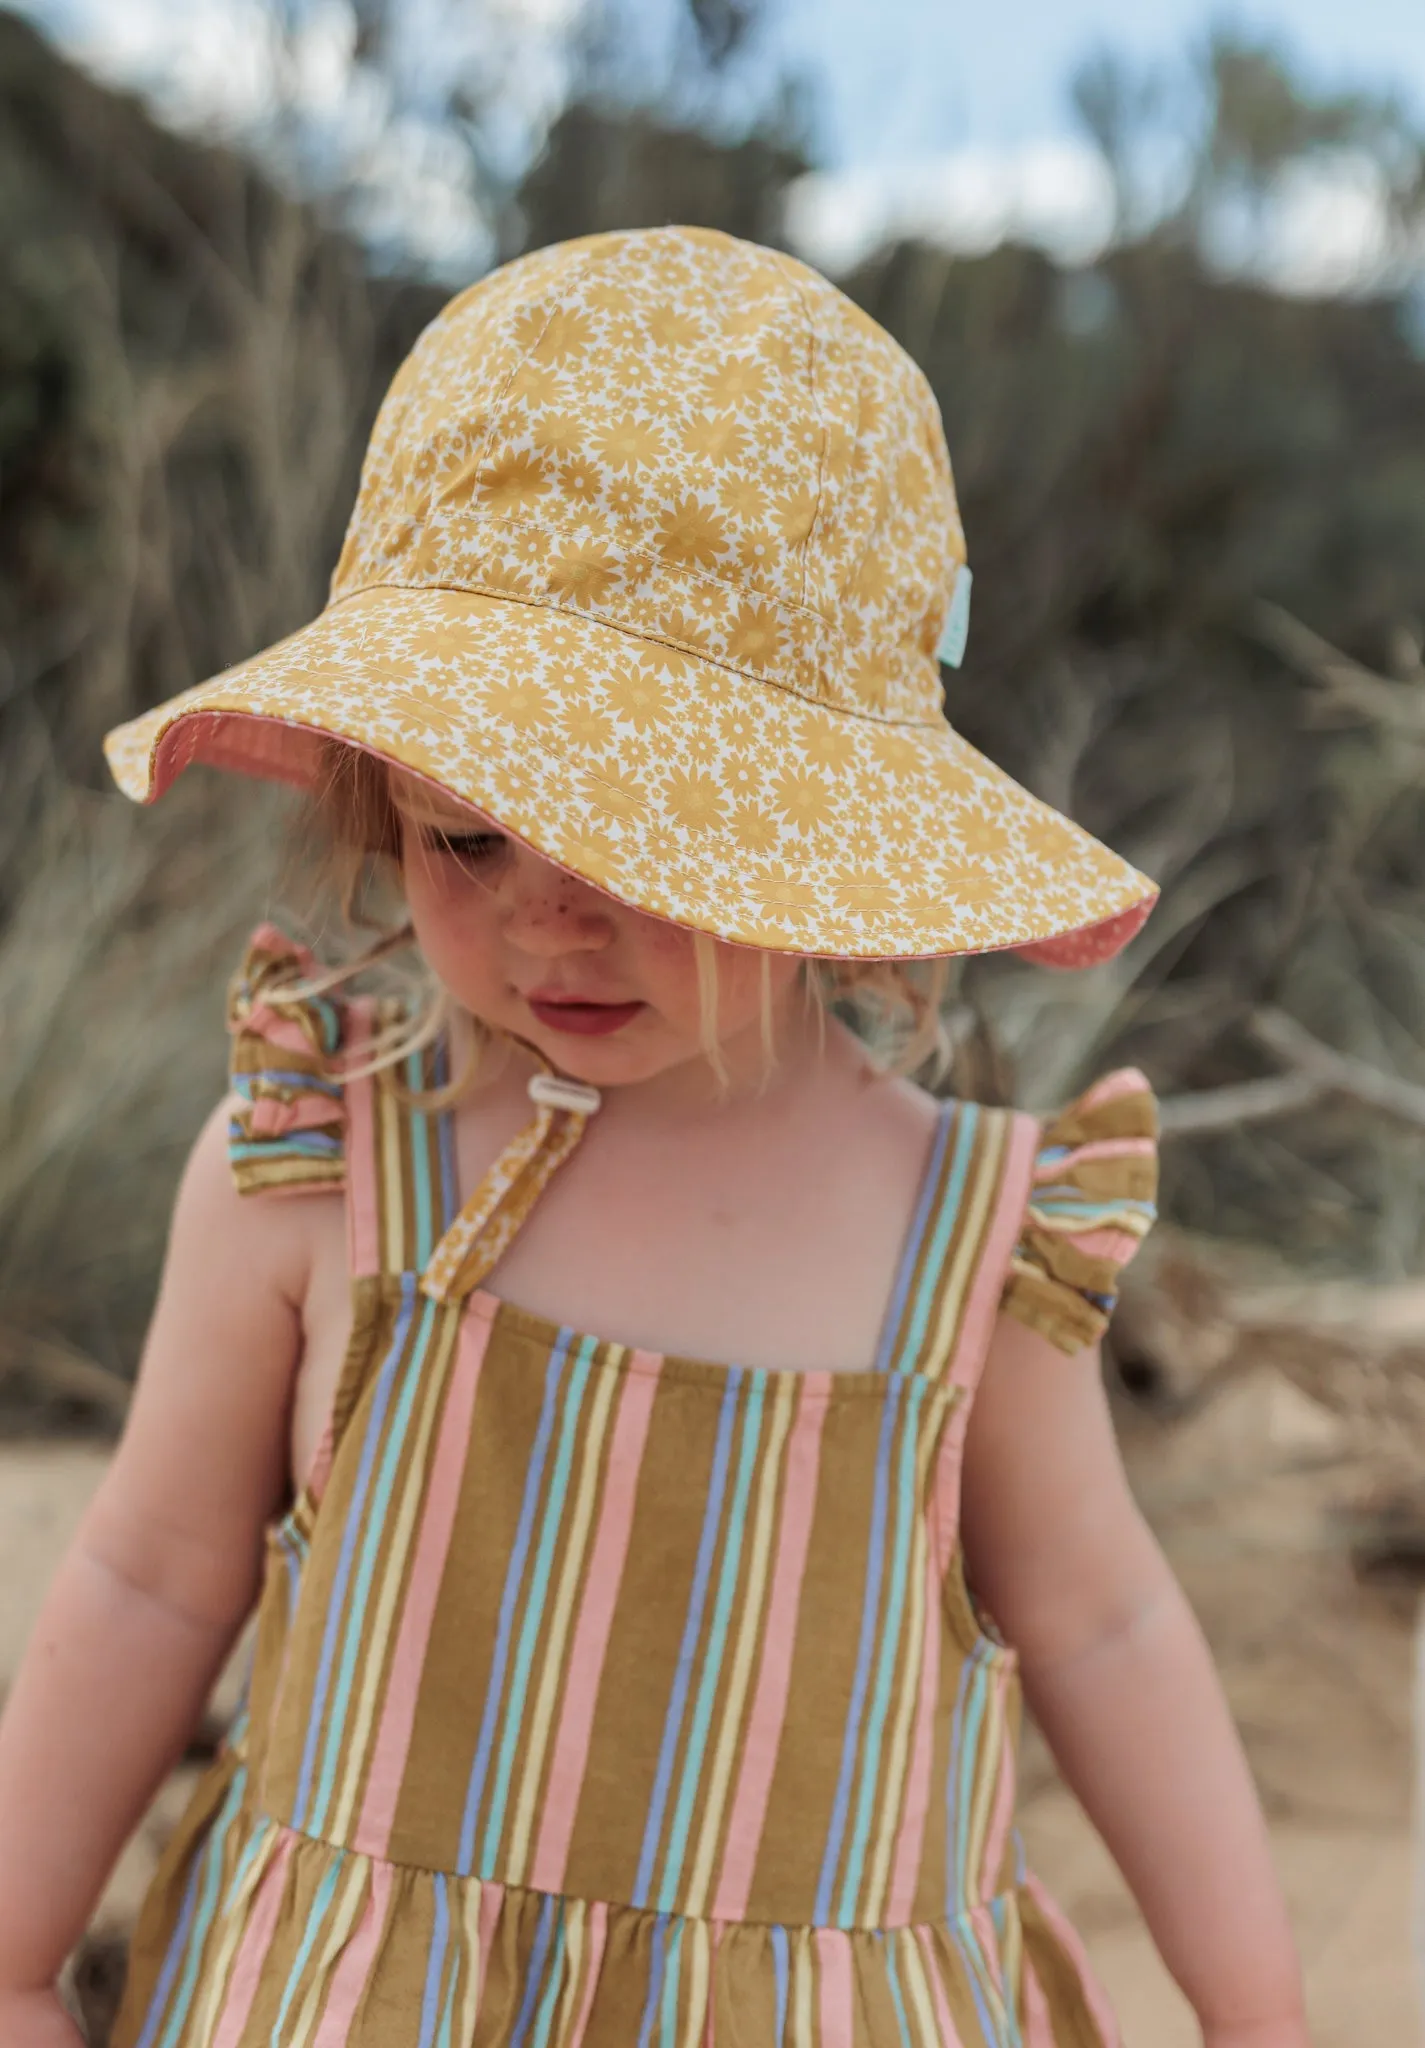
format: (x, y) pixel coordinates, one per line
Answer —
(287, 1130)
(1091, 1204)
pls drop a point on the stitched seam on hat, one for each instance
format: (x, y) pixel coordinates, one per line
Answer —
(799, 287)
(705, 576)
(498, 404)
(747, 675)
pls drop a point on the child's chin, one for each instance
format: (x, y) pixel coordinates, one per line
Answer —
(620, 1059)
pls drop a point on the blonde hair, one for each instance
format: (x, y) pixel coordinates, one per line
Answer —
(894, 1006)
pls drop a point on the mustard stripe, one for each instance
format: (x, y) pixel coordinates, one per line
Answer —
(915, 1650)
(591, 1453)
(754, 1600)
(340, 1925)
(394, 1555)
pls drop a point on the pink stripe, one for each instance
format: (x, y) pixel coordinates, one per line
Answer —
(492, 1904)
(944, 2018)
(1099, 2009)
(387, 1769)
(1101, 1148)
(1117, 1246)
(1038, 2026)
(591, 1632)
(278, 1028)
(982, 1921)
(837, 1994)
(779, 1628)
(711, 2026)
(362, 1218)
(349, 1979)
(593, 1961)
(246, 1973)
(987, 1288)
(910, 1840)
(1002, 1812)
(1127, 1081)
(977, 1325)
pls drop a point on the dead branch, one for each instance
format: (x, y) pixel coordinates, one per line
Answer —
(1346, 685)
(1311, 1072)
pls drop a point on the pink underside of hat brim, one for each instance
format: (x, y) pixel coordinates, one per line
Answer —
(276, 750)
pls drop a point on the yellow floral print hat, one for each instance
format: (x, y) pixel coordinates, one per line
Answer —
(655, 547)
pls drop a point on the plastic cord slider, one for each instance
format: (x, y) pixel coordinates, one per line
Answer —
(553, 1091)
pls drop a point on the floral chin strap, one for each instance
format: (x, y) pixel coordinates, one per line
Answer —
(487, 1225)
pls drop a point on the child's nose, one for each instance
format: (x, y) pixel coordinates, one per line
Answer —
(547, 912)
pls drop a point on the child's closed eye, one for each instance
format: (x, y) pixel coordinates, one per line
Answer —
(472, 850)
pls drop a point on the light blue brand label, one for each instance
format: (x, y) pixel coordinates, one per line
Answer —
(957, 622)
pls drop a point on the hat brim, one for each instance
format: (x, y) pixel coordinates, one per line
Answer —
(679, 786)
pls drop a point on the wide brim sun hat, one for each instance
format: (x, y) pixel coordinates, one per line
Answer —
(655, 548)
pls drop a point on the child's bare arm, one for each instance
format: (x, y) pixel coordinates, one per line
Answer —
(163, 1570)
(1121, 1682)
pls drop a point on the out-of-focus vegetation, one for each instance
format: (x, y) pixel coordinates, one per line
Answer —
(1151, 454)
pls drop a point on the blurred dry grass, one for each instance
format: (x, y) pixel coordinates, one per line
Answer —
(188, 363)
(188, 366)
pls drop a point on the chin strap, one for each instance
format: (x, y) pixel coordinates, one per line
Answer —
(487, 1225)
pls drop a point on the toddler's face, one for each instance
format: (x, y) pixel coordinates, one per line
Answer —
(608, 994)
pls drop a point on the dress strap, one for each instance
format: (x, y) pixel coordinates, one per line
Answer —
(485, 1228)
(952, 1269)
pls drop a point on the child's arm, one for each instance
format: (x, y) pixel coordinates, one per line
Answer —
(159, 1578)
(1120, 1680)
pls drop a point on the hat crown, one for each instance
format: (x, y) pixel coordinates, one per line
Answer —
(691, 438)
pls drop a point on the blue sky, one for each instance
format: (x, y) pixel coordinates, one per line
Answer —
(913, 77)
(936, 117)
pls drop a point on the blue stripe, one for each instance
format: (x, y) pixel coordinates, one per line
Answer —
(905, 1271)
(208, 1909)
(535, 1600)
(907, 1512)
(514, 1574)
(380, 1401)
(321, 1906)
(312, 1144)
(781, 1966)
(668, 2017)
(435, 1962)
(717, 1641)
(969, 1711)
(692, 1629)
(655, 1978)
(1070, 1202)
(372, 1544)
(534, 1972)
(554, 1980)
(875, 1554)
(194, 1919)
(285, 1077)
(966, 1126)
(894, 1977)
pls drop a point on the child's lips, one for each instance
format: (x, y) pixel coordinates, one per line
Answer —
(581, 1019)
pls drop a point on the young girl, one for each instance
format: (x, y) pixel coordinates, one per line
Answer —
(605, 1695)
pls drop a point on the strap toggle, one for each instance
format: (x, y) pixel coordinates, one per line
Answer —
(556, 1091)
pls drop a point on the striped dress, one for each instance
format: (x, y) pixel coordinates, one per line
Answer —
(603, 1699)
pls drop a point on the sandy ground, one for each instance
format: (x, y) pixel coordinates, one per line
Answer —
(1246, 1496)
